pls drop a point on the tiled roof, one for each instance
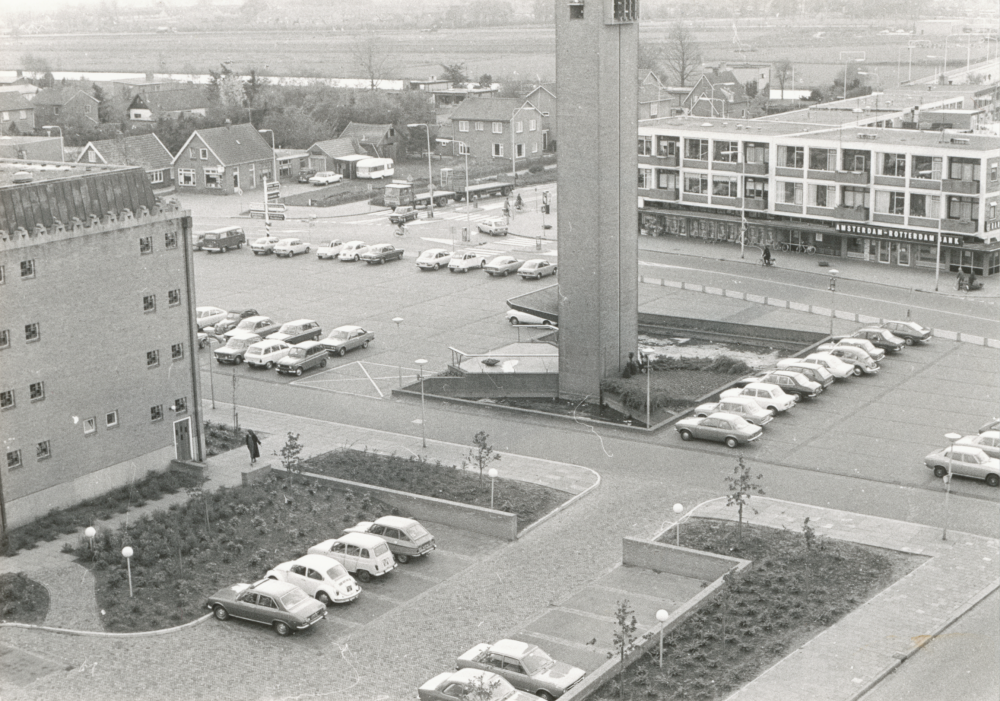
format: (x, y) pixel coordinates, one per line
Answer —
(372, 133)
(236, 143)
(13, 101)
(58, 96)
(144, 150)
(177, 100)
(486, 109)
(336, 147)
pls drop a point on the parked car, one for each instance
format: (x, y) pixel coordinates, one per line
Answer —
(283, 606)
(305, 174)
(862, 362)
(222, 240)
(454, 686)
(493, 227)
(320, 577)
(726, 428)
(876, 354)
(366, 555)
(965, 461)
(515, 317)
(297, 331)
(347, 338)
(527, 667)
(329, 250)
(770, 397)
(910, 331)
(233, 317)
(536, 269)
(503, 266)
(835, 366)
(237, 344)
(325, 177)
(406, 537)
(264, 245)
(816, 373)
(301, 357)
(403, 214)
(992, 425)
(791, 382)
(466, 261)
(261, 325)
(881, 338)
(289, 248)
(433, 259)
(264, 354)
(352, 251)
(987, 441)
(209, 316)
(380, 253)
(741, 406)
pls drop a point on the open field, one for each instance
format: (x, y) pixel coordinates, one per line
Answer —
(521, 51)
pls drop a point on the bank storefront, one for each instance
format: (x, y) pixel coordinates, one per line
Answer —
(870, 243)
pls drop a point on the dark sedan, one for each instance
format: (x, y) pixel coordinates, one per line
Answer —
(726, 428)
(233, 317)
(283, 606)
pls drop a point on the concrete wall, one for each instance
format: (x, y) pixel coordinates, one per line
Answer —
(670, 559)
(490, 385)
(791, 338)
(497, 524)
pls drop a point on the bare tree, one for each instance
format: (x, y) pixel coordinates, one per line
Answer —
(682, 55)
(373, 58)
(742, 486)
(783, 71)
(650, 57)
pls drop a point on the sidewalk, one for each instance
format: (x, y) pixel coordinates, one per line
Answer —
(847, 660)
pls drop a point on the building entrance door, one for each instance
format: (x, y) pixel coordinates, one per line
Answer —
(182, 438)
(883, 251)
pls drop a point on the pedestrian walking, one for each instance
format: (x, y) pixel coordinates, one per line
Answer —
(253, 445)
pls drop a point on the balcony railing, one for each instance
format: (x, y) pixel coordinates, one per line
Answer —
(756, 168)
(669, 161)
(755, 203)
(851, 213)
(962, 226)
(961, 187)
(852, 177)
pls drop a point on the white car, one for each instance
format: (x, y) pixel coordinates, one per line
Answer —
(209, 316)
(320, 577)
(834, 365)
(352, 251)
(367, 555)
(536, 268)
(330, 250)
(290, 247)
(493, 227)
(264, 245)
(265, 354)
(515, 318)
(767, 396)
(464, 262)
(987, 441)
(745, 407)
(325, 177)
(433, 259)
(877, 354)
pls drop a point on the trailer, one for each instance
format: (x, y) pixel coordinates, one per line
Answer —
(478, 192)
(398, 194)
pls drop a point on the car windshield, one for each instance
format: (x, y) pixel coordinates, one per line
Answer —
(336, 571)
(237, 343)
(339, 335)
(233, 316)
(297, 353)
(536, 661)
(293, 598)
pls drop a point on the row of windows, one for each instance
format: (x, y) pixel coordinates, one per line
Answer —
(153, 356)
(886, 201)
(36, 393)
(146, 242)
(149, 301)
(463, 126)
(27, 271)
(32, 333)
(188, 177)
(43, 449)
(21, 114)
(197, 153)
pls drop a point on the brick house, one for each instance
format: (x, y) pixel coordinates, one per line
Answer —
(544, 100)
(168, 104)
(377, 140)
(494, 127)
(64, 106)
(223, 160)
(17, 115)
(717, 95)
(339, 155)
(655, 99)
(144, 150)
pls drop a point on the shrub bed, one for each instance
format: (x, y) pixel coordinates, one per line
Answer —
(220, 438)
(797, 586)
(22, 600)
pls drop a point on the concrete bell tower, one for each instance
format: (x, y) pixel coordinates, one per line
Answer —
(596, 48)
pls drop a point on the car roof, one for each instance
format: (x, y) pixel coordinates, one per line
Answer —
(243, 334)
(273, 587)
(511, 648)
(347, 328)
(470, 674)
(433, 250)
(307, 344)
(299, 322)
(266, 342)
(288, 239)
(317, 562)
(761, 385)
(364, 540)
(395, 521)
(723, 415)
(257, 317)
(739, 399)
(355, 243)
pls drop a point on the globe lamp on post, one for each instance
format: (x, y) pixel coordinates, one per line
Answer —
(127, 553)
(493, 478)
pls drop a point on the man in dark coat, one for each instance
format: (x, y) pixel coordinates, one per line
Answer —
(253, 445)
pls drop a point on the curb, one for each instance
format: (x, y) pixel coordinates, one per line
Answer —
(564, 505)
(102, 634)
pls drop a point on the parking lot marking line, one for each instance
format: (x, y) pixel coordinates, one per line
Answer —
(362, 366)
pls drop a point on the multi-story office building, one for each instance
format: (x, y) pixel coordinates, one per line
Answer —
(886, 195)
(98, 348)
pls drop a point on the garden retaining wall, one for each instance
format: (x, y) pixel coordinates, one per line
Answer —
(256, 475)
(689, 563)
(497, 524)
(483, 385)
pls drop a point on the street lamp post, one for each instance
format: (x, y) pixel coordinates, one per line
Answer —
(62, 142)
(430, 170)
(493, 478)
(397, 321)
(513, 148)
(662, 617)
(678, 509)
(274, 174)
(464, 148)
(90, 533)
(423, 428)
(127, 553)
(952, 437)
(833, 297)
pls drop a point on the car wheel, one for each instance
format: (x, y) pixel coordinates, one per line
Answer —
(402, 559)
(342, 352)
(322, 363)
(909, 341)
(239, 359)
(365, 344)
(269, 365)
(298, 372)
(323, 598)
(482, 264)
(731, 442)
(544, 695)
(220, 612)
(436, 266)
(940, 471)
(364, 576)
(686, 435)
(858, 372)
(993, 480)
(506, 273)
(282, 628)
(513, 321)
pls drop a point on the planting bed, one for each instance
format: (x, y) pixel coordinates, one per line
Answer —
(790, 594)
(220, 438)
(22, 600)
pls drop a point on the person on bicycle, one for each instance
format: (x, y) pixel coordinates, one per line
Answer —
(518, 203)
(767, 255)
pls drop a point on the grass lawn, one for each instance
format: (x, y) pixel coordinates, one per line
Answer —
(789, 595)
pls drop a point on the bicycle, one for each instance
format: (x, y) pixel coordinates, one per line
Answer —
(400, 230)
(797, 248)
(767, 262)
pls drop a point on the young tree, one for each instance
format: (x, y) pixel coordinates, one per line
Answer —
(682, 55)
(454, 73)
(485, 81)
(783, 71)
(289, 455)
(742, 485)
(481, 690)
(623, 640)
(373, 57)
(482, 455)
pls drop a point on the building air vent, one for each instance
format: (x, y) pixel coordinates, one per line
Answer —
(868, 137)
(963, 142)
